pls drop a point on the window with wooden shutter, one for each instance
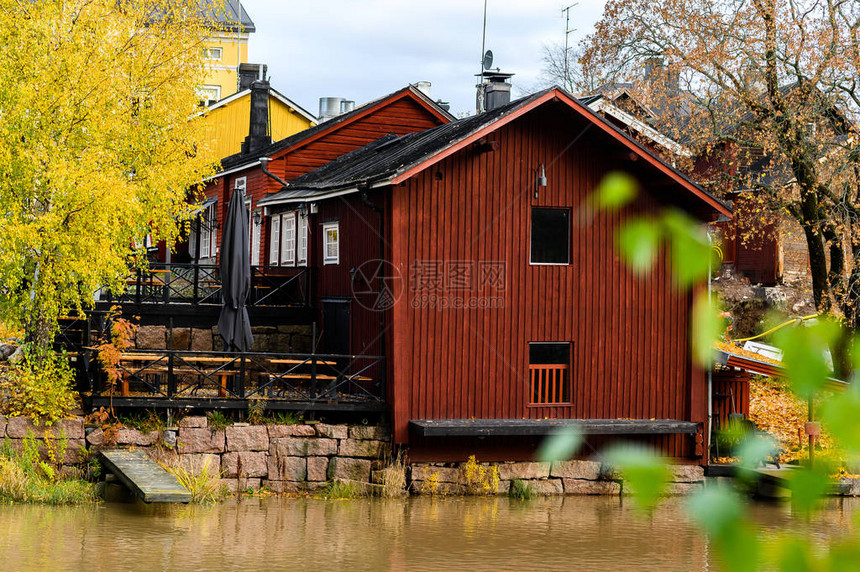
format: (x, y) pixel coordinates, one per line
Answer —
(274, 239)
(288, 239)
(302, 255)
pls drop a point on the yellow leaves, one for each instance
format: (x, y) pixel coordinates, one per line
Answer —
(97, 144)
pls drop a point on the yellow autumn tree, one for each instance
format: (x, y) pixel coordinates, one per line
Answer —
(98, 147)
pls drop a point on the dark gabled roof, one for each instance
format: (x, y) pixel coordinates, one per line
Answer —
(387, 155)
(240, 159)
(392, 159)
(229, 16)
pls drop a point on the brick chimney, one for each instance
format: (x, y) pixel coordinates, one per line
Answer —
(258, 131)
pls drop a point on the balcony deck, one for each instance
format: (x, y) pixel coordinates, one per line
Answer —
(220, 380)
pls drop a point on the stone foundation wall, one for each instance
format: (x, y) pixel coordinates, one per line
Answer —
(282, 458)
(280, 339)
(558, 478)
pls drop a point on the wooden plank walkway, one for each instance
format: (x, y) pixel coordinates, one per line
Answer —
(144, 477)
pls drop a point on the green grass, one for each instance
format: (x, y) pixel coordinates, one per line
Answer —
(143, 422)
(26, 478)
(205, 487)
(520, 490)
(341, 490)
(218, 420)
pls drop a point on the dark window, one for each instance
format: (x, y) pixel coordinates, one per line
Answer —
(549, 373)
(550, 236)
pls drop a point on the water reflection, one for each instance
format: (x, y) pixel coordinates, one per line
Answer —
(418, 534)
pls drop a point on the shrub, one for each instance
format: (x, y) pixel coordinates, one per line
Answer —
(342, 490)
(218, 420)
(480, 479)
(205, 487)
(521, 490)
(393, 478)
(26, 478)
(39, 388)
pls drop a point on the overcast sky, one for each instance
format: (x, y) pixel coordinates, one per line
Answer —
(363, 49)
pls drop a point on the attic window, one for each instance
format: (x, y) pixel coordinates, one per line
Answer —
(550, 236)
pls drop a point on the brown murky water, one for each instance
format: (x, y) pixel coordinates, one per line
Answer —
(463, 534)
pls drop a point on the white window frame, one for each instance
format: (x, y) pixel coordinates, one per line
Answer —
(274, 239)
(256, 221)
(302, 240)
(241, 184)
(208, 234)
(327, 258)
(209, 93)
(288, 239)
(212, 53)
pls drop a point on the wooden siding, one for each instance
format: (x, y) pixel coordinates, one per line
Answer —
(630, 334)
(401, 117)
(358, 227)
(229, 123)
(731, 395)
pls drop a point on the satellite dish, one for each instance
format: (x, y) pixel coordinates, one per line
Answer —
(488, 60)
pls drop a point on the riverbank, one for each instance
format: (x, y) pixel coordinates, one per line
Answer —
(307, 457)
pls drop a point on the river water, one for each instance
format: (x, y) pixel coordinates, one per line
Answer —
(416, 534)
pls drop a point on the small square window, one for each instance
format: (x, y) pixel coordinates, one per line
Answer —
(331, 244)
(549, 373)
(550, 236)
(211, 53)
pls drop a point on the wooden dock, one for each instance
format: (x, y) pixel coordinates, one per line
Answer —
(144, 477)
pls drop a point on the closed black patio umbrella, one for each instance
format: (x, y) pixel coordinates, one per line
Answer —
(234, 325)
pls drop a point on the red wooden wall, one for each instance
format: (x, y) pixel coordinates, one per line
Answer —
(630, 335)
(402, 114)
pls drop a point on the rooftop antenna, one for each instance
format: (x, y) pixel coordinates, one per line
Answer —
(567, 30)
(486, 56)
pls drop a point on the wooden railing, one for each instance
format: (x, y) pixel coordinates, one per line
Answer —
(197, 284)
(549, 384)
(194, 377)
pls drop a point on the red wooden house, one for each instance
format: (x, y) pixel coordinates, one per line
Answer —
(463, 255)
(262, 166)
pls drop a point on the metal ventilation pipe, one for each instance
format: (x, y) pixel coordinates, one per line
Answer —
(330, 107)
(347, 105)
(423, 87)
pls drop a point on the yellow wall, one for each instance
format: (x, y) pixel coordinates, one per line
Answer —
(224, 72)
(229, 123)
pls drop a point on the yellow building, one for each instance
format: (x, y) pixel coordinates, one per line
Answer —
(226, 49)
(229, 119)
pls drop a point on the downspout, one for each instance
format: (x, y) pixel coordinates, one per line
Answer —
(710, 365)
(265, 161)
(364, 188)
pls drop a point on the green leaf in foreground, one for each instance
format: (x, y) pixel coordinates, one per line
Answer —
(805, 359)
(639, 242)
(561, 445)
(705, 328)
(720, 512)
(615, 190)
(644, 473)
(688, 243)
(808, 486)
(840, 413)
